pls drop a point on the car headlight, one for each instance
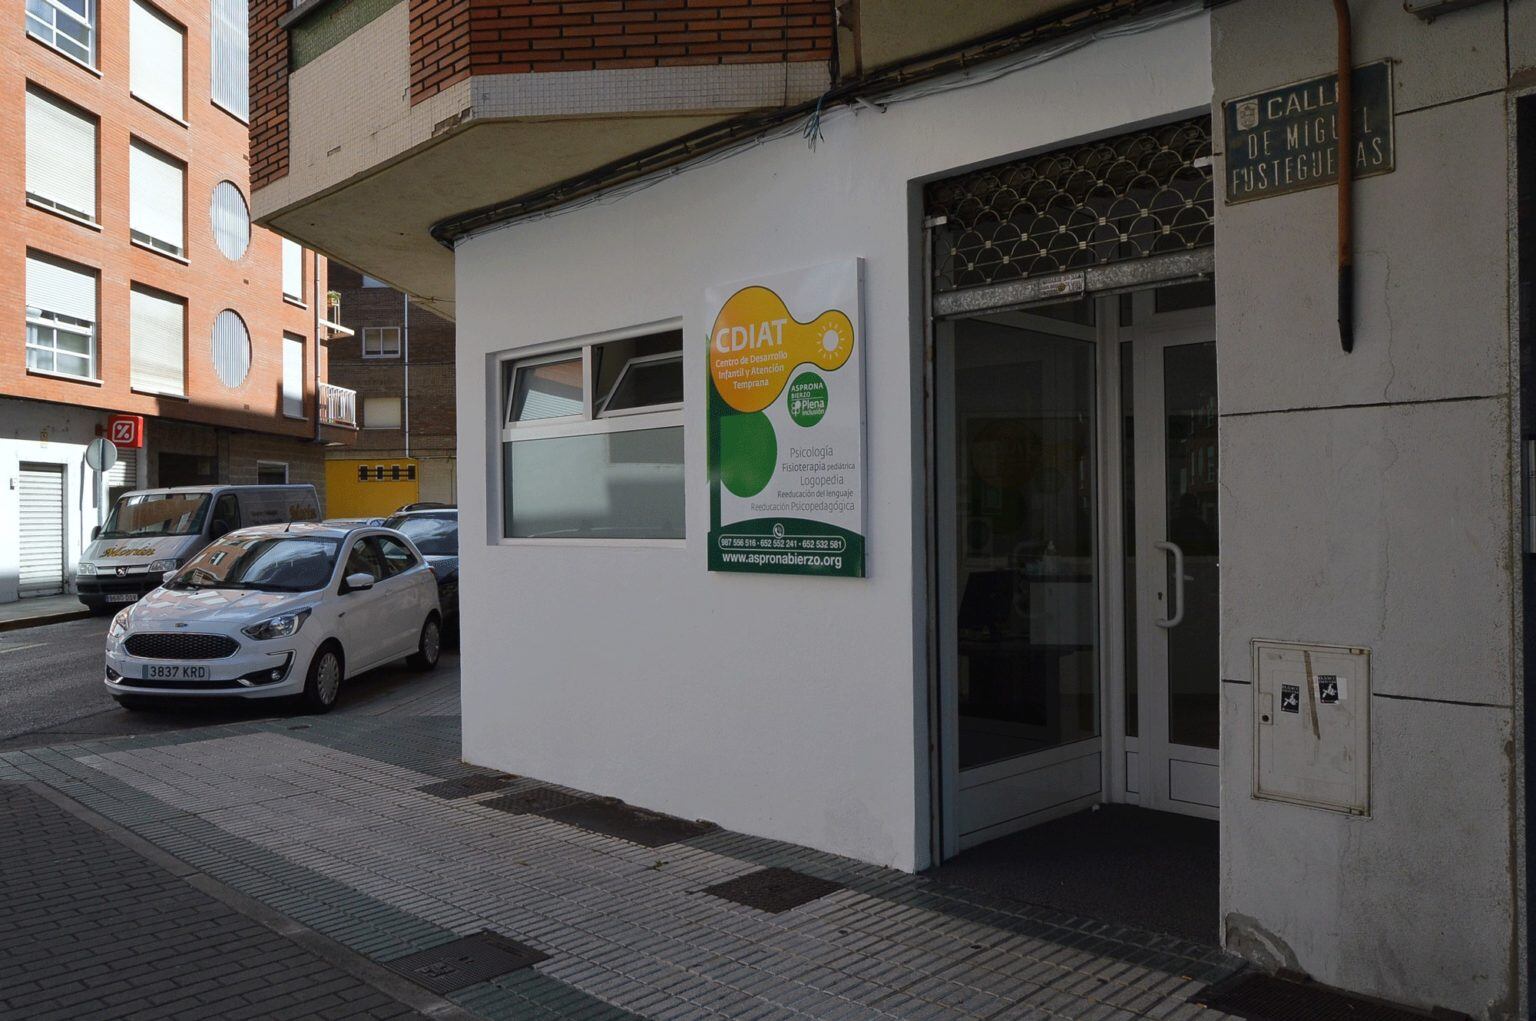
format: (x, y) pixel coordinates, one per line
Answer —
(284, 625)
(85, 567)
(163, 566)
(119, 624)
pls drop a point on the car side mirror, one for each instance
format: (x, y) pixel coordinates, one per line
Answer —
(358, 582)
(95, 531)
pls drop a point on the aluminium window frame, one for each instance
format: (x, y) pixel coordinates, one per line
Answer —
(46, 320)
(380, 331)
(648, 409)
(91, 23)
(504, 366)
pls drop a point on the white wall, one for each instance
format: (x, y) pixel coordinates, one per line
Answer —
(35, 432)
(780, 706)
(1366, 501)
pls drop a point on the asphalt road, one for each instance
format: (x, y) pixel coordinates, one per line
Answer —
(51, 691)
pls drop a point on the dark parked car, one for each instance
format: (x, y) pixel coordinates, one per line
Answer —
(436, 533)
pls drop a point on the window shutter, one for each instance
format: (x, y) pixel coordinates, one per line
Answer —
(156, 329)
(293, 376)
(155, 59)
(61, 155)
(155, 196)
(231, 78)
(60, 289)
(293, 270)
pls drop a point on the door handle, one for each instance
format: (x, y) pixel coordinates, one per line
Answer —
(1177, 599)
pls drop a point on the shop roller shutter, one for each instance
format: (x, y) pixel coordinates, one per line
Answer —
(42, 529)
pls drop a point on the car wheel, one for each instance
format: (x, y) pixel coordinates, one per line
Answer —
(132, 704)
(430, 646)
(323, 684)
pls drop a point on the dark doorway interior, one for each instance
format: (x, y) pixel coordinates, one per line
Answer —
(187, 470)
(1117, 863)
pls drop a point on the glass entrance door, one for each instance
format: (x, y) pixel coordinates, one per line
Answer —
(1174, 530)
(1018, 568)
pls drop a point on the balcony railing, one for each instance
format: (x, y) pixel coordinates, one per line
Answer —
(338, 405)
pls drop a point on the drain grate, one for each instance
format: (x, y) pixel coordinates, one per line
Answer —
(465, 962)
(537, 801)
(773, 890)
(636, 825)
(1260, 997)
(466, 786)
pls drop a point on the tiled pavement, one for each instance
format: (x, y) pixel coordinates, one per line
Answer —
(324, 821)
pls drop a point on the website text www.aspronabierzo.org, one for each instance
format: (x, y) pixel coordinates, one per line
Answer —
(835, 562)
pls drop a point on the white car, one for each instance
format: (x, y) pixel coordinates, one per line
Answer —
(277, 610)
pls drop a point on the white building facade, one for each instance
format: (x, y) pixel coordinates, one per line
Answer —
(1053, 458)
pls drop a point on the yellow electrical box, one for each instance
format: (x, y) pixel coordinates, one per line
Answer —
(364, 488)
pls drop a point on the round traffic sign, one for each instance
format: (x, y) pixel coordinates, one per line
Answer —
(100, 454)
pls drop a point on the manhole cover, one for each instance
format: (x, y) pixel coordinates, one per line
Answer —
(616, 819)
(1259, 997)
(466, 961)
(773, 890)
(466, 786)
(533, 802)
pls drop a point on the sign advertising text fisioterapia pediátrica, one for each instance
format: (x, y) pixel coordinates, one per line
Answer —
(1287, 140)
(786, 423)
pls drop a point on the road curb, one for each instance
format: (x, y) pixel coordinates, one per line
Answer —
(46, 618)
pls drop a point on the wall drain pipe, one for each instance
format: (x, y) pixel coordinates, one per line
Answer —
(1345, 129)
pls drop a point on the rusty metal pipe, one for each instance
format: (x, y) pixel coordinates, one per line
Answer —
(1345, 127)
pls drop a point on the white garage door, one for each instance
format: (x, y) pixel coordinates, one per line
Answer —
(42, 529)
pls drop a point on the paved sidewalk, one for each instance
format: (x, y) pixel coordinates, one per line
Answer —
(345, 825)
(39, 610)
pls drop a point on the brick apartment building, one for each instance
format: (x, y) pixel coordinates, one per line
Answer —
(399, 360)
(137, 283)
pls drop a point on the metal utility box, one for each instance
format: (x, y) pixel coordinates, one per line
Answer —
(1311, 725)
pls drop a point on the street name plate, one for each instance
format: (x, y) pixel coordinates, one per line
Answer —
(1286, 139)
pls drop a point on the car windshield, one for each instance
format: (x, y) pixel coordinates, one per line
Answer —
(436, 535)
(266, 563)
(139, 514)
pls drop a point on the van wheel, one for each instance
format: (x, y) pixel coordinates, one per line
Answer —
(429, 647)
(323, 684)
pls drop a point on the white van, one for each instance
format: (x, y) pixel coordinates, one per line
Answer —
(152, 532)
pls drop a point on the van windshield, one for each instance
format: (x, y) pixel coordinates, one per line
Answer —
(140, 514)
(264, 563)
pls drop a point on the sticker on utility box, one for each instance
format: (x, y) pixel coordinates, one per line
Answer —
(1290, 698)
(1330, 689)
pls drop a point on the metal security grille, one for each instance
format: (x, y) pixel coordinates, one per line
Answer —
(1116, 199)
(161, 645)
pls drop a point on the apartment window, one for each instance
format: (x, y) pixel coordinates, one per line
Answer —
(231, 220)
(293, 270)
(61, 317)
(69, 26)
(156, 46)
(381, 342)
(231, 348)
(231, 56)
(369, 281)
(381, 412)
(61, 156)
(592, 441)
(293, 376)
(157, 330)
(156, 198)
(271, 473)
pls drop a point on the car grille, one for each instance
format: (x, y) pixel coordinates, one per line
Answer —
(159, 645)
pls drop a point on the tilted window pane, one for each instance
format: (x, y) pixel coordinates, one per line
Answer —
(550, 390)
(615, 485)
(648, 384)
